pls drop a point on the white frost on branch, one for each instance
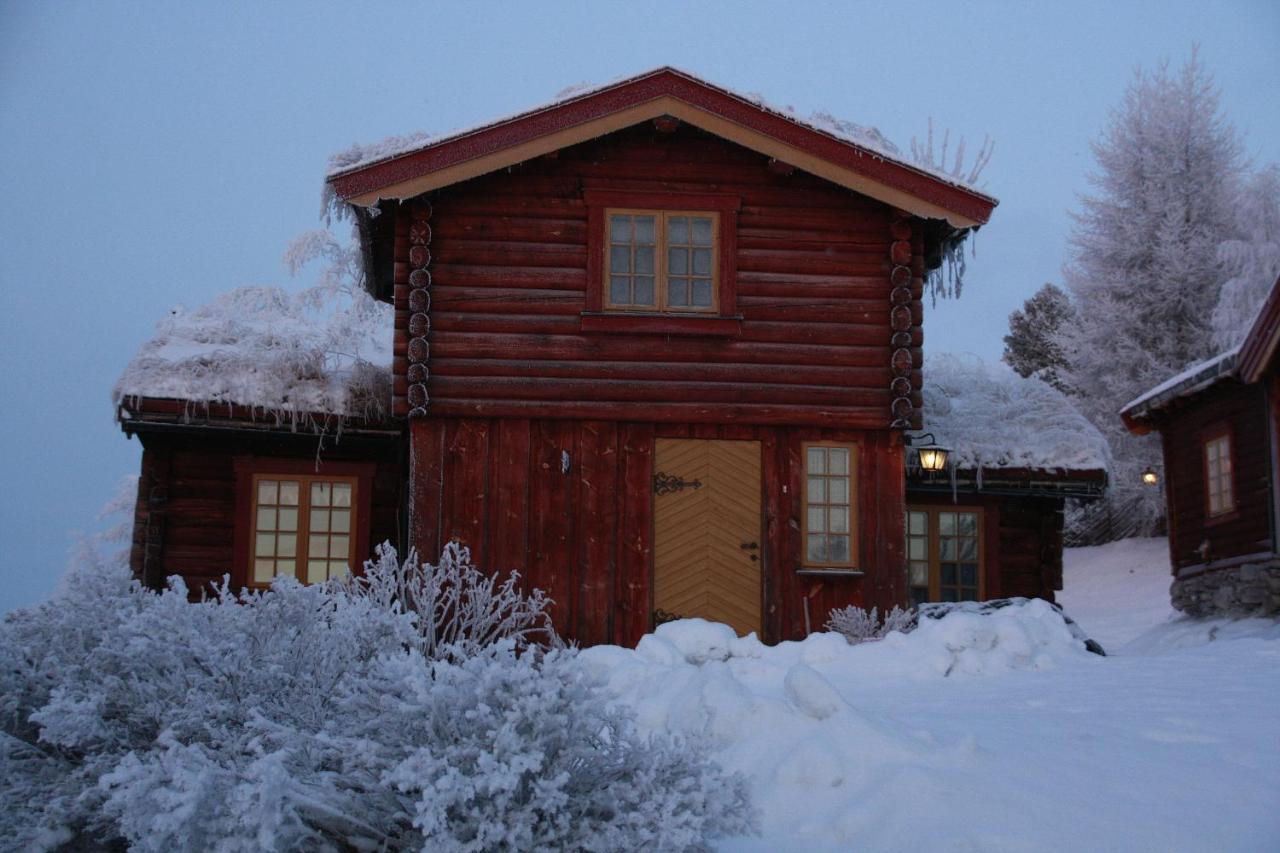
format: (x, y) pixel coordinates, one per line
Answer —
(325, 350)
(990, 417)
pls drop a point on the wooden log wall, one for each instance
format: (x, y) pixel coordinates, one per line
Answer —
(568, 503)
(826, 339)
(1194, 538)
(185, 516)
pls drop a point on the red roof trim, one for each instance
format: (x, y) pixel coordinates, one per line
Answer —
(646, 87)
(1259, 349)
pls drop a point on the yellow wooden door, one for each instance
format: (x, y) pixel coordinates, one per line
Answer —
(707, 558)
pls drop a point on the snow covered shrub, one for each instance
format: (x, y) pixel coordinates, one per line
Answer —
(456, 609)
(859, 626)
(313, 717)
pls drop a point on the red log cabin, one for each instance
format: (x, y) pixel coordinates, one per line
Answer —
(656, 346)
(1218, 421)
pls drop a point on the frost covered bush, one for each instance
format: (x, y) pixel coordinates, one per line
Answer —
(859, 626)
(322, 717)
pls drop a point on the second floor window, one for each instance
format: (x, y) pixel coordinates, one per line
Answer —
(661, 261)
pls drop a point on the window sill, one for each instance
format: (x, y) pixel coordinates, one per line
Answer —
(637, 323)
(834, 573)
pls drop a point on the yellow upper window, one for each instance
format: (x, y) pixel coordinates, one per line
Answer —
(662, 261)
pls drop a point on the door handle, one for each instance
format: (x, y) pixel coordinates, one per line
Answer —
(749, 546)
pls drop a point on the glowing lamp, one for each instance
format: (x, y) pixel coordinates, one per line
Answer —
(932, 456)
(1150, 477)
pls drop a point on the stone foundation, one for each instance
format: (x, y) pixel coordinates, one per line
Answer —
(1249, 590)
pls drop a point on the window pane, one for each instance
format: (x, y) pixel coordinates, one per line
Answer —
(949, 574)
(838, 490)
(340, 546)
(947, 523)
(969, 523)
(319, 520)
(285, 567)
(918, 573)
(701, 231)
(338, 569)
(620, 290)
(702, 292)
(968, 549)
(318, 547)
(268, 491)
(620, 259)
(917, 522)
(817, 551)
(678, 291)
(265, 545)
(644, 260)
(317, 570)
(969, 575)
(817, 490)
(266, 518)
(287, 519)
(678, 261)
(948, 595)
(948, 547)
(838, 519)
(319, 494)
(839, 460)
(620, 228)
(644, 290)
(287, 544)
(340, 521)
(702, 261)
(838, 547)
(644, 230)
(263, 571)
(915, 548)
(289, 493)
(817, 521)
(678, 230)
(816, 460)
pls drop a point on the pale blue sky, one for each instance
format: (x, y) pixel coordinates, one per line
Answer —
(158, 153)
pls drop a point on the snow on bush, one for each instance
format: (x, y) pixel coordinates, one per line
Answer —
(321, 717)
(991, 417)
(859, 626)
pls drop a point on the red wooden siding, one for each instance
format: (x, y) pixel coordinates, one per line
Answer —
(1246, 530)
(185, 519)
(589, 530)
(509, 284)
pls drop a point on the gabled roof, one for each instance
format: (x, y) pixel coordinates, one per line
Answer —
(419, 164)
(1259, 348)
(1245, 362)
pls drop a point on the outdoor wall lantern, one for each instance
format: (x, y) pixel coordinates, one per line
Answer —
(932, 456)
(1150, 477)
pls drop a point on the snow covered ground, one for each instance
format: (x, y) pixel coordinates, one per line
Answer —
(998, 733)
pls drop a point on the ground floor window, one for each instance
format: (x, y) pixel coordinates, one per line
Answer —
(944, 554)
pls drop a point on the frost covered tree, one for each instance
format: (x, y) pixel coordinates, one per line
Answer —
(1144, 269)
(1031, 348)
(320, 718)
(1251, 259)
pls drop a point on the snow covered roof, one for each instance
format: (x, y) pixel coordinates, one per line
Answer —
(852, 154)
(291, 355)
(992, 418)
(1193, 380)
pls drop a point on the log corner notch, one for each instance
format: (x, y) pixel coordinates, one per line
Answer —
(418, 323)
(906, 315)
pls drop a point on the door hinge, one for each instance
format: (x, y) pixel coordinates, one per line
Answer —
(665, 484)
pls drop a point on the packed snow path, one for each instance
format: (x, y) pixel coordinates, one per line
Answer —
(1028, 744)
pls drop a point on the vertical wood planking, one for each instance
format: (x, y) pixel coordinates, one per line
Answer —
(509, 490)
(777, 511)
(594, 467)
(551, 518)
(633, 589)
(426, 486)
(467, 483)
